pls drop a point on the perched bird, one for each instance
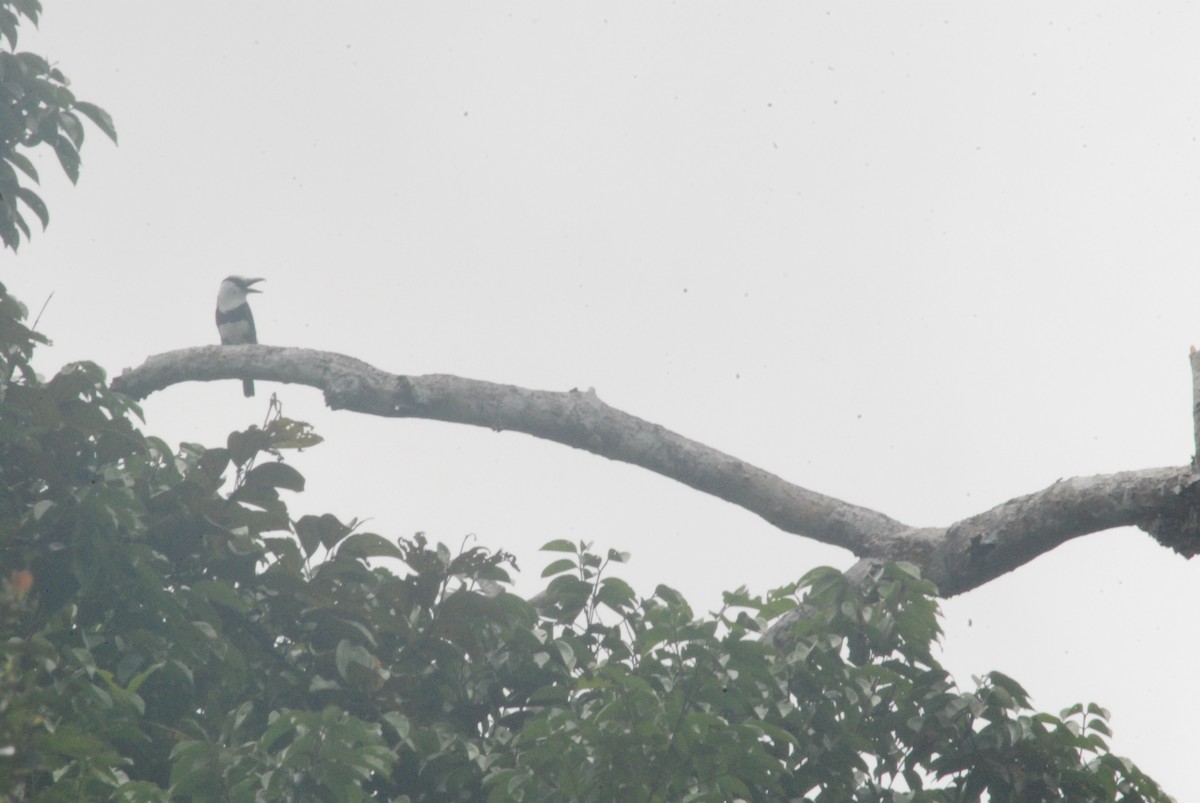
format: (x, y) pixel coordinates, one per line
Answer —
(234, 320)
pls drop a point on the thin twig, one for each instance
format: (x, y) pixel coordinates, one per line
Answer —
(43, 309)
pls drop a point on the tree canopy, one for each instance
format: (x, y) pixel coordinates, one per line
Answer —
(171, 631)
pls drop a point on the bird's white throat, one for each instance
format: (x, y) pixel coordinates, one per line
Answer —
(230, 296)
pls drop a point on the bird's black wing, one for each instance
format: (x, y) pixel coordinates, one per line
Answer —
(236, 326)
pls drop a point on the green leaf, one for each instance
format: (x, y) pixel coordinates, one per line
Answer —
(281, 723)
(776, 608)
(276, 475)
(28, 8)
(615, 593)
(73, 742)
(70, 124)
(68, 157)
(567, 653)
(222, 594)
(1003, 681)
(244, 446)
(325, 530)
(101, 118)
(286, 433)
(8, 232)
(8, 27)
(137, 680)
(319, 684)
(558, 545)
(398, 723)
(347, 654)
(33, 64)
(35, 203)
(669, 595)
(22, 163)
(559, 566)
(369, 545)
(19, 220)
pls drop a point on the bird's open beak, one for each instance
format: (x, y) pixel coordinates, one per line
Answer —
(250, 289)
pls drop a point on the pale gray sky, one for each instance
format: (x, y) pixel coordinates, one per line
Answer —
(922, 256)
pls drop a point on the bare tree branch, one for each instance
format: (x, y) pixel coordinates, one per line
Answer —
(1194, 358)
(1164, 501)
(989, 544)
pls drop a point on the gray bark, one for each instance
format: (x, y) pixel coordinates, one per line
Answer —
(1165, 502)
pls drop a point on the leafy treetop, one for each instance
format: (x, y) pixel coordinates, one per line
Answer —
(169, 631)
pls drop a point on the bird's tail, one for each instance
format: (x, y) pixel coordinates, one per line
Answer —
(247, 387)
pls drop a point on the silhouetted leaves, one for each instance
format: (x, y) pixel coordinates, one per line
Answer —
(36, 108)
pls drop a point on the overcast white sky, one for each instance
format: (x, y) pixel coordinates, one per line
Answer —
(920, 256)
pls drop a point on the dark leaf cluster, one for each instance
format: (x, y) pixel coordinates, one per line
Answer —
(169, 630)
(37, 108)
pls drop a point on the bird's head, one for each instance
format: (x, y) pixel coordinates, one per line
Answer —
(242, 283)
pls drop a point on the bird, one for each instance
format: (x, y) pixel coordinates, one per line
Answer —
(235, 322)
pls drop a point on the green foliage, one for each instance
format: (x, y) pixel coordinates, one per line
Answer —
(169, 632)
(37, 108)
